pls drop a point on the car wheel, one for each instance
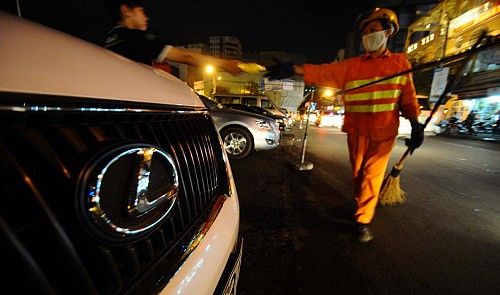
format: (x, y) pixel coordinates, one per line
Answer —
(237, 142)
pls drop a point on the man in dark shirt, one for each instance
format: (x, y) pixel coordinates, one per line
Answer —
(130, 38)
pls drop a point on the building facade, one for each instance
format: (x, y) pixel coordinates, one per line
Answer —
(450, 30)
(225, 47)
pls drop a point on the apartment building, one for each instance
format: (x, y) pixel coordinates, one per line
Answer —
(225, 47)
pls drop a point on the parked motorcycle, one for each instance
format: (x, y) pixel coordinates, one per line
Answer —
(454, 126)
(483, 126)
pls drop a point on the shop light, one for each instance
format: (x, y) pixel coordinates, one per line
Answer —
(469, 103)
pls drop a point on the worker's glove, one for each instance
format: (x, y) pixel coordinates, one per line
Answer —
(280, 70)
(417, 136)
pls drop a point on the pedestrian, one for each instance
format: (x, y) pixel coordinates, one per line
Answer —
(129, 37)
(371, 112)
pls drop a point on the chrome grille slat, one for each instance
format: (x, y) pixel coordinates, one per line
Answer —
(191, 154)
(204, 169)
(210, 168)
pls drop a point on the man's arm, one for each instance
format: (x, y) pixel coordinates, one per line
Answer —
(201, 60)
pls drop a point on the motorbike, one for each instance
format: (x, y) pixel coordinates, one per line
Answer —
(454, 126)
(483, 127)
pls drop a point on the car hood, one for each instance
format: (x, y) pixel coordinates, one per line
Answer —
(60, 64)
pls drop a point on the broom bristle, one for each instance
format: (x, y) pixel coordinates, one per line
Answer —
(391, 193)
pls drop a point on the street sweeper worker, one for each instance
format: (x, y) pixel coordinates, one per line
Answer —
(371, 113)
(129, 37)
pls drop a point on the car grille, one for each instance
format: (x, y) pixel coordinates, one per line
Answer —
(47, 245)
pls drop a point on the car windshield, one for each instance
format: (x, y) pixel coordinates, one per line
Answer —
(261, 110)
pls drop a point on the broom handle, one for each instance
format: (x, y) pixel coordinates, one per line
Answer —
(399, 165)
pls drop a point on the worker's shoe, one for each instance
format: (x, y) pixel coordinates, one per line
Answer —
(364, 233)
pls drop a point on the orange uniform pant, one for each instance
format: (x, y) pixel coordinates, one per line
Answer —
(369, 158)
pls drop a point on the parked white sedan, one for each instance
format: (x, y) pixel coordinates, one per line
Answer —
(242, 132)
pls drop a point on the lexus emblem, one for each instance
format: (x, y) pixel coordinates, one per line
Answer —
(130, 190)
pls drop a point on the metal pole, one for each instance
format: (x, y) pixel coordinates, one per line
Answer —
(18, 8)
(305, 165)
(304, 142)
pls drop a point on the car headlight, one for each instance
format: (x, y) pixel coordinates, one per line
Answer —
(263, 124)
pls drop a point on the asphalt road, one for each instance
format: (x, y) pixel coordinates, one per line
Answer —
(298, 228)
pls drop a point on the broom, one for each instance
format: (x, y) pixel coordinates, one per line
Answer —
(391, 193)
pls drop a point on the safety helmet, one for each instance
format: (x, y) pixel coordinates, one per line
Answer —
(382, 14)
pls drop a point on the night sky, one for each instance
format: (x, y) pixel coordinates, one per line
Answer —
(312, 27)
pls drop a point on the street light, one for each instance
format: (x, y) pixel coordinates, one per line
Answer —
(328, 92)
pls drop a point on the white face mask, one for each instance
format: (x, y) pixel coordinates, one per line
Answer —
(373, 41)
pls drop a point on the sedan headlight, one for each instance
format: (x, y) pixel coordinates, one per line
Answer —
(263, 124)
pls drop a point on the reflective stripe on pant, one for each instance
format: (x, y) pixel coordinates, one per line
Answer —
(369, 158)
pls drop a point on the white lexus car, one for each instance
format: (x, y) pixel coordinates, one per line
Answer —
(113, 177)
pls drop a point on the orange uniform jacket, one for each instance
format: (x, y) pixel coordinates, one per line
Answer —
(371, 111)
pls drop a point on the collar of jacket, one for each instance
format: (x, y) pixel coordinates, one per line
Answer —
(368, 55)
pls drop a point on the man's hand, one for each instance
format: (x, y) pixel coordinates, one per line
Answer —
(232, 66)
(417, 136)
(280, 70)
